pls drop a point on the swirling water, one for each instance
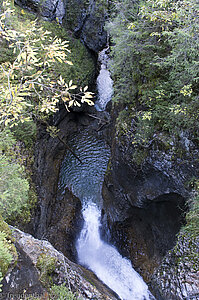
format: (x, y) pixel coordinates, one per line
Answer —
(85, 180)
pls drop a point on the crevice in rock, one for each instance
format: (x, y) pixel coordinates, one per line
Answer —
(147, 233)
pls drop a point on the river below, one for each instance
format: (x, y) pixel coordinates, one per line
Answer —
(85, 181)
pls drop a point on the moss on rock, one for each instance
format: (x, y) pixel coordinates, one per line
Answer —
(47, 265)
(8, 253)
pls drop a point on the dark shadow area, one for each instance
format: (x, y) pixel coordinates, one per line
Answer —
(149, 232)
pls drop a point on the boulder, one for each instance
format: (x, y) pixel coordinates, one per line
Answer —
(40, 265)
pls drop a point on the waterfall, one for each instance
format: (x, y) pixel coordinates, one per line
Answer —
(104, 82)
(106, 262)
(85, 180)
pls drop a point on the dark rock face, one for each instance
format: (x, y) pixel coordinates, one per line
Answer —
(28, 279)
(23, 277)
(49, 9)
(65, 224)
(92, 31)
(148, 232)
(144, 204)
(138, 186)
(178, 277)
(85, 18)
(57, 216)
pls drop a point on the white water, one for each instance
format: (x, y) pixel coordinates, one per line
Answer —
(104, 83)
(106, 262)
(85, 180)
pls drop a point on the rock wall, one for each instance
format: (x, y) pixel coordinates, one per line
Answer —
(144, 203)
(39, 264)
(85, 18)
(178, 277)
(49, 9)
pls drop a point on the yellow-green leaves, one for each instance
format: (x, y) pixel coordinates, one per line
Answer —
(186, 90)
(30, 84)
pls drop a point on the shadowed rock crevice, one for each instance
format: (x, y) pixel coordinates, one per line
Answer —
(85, 18)
(149, 232)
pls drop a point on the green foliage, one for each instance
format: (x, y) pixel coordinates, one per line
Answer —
(46, 264)
(8, 252)
(61, 292)
(5, 255)
(26, 133)
(155, 66)
(192, 218)
(15, 197)
(7, 142)
(82, 69)
(13, 188)
(6, 53)
(31, 86)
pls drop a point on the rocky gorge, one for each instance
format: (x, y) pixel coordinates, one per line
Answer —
(144, 204)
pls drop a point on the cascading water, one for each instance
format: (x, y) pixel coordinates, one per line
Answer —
(85, 180)
(104, 82)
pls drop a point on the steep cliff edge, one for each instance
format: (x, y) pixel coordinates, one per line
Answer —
(178, 278)
(145, 204)
(40, 265)
(85, 18)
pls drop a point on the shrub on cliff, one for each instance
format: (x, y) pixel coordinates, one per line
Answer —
(14, 186)
(36, 73)
(192, 218)
(31, 86)
(61, 292)
(8, 254)
(155, 67)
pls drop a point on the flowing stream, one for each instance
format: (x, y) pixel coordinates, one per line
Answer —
(104, 82)
(85, 180)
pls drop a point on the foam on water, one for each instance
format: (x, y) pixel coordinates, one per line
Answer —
(106, 262)
(85, 180)
(104, 83)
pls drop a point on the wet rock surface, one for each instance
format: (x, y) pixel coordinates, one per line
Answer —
(49, 9)
(178, 277)
(65, 224)
(144, 203)
(49, 153)
(23, 277)
(28, 276)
